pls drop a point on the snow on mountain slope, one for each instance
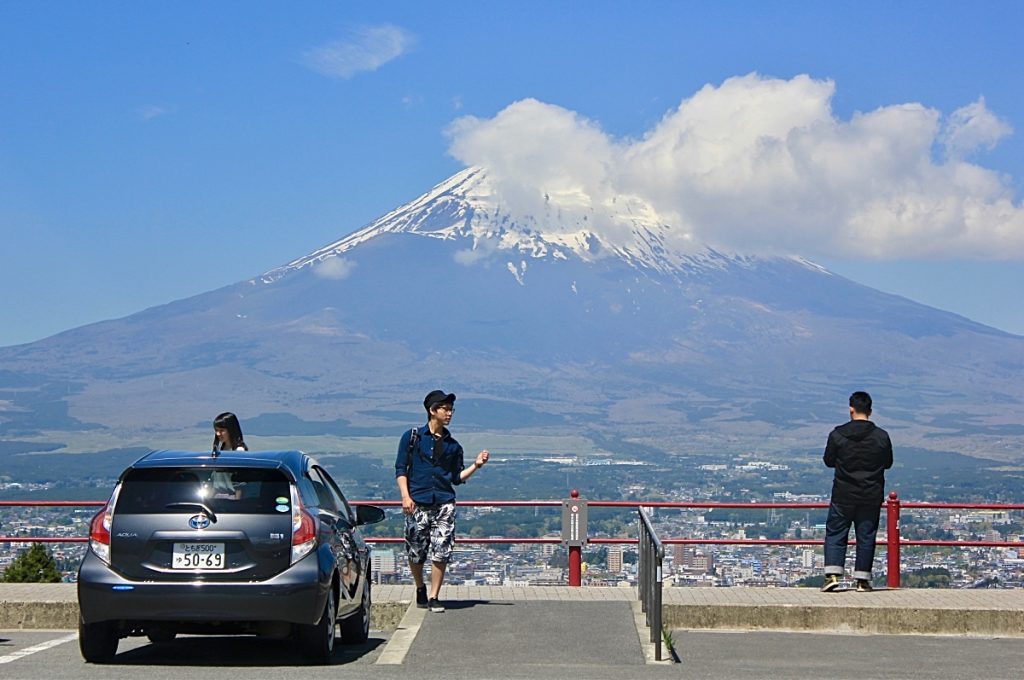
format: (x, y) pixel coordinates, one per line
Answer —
(468, 207)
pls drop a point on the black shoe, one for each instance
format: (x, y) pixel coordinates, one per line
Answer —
(421, 597)
(436, 606)
(864, 586)
(830, 584)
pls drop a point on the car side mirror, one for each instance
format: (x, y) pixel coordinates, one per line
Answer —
(368, 514)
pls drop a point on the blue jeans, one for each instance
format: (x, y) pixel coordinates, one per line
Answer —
(864, 518)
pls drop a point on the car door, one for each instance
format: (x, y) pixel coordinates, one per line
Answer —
(333, 525)
(361, 563)
(336, 529)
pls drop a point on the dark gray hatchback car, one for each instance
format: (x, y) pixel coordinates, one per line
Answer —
(238, 542)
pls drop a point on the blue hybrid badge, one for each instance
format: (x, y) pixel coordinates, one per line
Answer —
(199, 521)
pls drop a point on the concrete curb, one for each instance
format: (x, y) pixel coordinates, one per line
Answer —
(38, 615)
(878, 620)
(981, 613)
(644, 633)
(384, 616)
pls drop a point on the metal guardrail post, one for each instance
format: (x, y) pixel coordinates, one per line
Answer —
(641, 564)
(649, 561)
(892, 537)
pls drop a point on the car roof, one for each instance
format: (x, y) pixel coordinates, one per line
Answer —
(292, 460)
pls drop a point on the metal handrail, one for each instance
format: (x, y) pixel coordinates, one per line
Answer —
(649, 579)
(892, 543)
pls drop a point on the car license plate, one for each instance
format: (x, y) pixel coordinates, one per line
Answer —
(198, 556)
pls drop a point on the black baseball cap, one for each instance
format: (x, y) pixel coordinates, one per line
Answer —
(437, 397)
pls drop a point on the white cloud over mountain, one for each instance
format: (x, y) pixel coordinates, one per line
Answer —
(334, 268)
(764, 165)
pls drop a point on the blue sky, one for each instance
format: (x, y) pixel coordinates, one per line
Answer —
(153, 151)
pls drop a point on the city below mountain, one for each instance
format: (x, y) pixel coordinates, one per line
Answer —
(596, 326)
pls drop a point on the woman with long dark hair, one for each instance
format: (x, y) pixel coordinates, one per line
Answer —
(227, 433)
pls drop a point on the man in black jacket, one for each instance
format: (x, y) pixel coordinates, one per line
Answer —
(860, 452)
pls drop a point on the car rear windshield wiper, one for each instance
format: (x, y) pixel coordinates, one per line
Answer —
(195, 504)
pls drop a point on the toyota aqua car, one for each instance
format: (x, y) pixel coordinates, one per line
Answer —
(240, 542)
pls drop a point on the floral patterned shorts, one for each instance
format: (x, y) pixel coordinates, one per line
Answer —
(430, 533)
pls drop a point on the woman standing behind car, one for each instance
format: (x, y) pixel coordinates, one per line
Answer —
(227, 433)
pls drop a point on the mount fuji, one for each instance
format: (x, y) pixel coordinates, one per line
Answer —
(571, 319)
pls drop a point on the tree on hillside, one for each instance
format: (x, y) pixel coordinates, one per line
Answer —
(35, 565)
(928, 577)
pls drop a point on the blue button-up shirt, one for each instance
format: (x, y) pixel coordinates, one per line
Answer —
(432, 470)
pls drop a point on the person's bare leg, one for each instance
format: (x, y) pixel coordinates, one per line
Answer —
(417, 573)
(436, 578)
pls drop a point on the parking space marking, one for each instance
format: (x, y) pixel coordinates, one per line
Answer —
(403, 637)
(41, 647)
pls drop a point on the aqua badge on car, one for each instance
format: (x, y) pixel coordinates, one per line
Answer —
(282, 508)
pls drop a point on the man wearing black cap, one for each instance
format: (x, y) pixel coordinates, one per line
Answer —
(428, 466)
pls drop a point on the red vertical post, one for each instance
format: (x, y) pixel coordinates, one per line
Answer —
(575, 556)
(575, 565)
(892, 534)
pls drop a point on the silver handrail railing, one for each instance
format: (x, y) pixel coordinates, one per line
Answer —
(651, 556)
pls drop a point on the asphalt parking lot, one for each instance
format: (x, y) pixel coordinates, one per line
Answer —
(481, 642)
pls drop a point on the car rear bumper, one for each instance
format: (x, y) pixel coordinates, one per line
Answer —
(296, 595)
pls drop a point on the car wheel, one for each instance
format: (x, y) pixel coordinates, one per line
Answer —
(356, 628)
(160, 635)
(97, 641)
(317, 641)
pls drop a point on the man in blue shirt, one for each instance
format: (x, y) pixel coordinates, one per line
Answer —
(428, 466)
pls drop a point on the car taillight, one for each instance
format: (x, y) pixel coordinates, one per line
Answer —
(99, 529)
(303, 529)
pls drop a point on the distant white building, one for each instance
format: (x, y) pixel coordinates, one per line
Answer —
(761, 466)
(382, 563)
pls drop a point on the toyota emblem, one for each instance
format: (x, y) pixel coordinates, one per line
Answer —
(199, 521)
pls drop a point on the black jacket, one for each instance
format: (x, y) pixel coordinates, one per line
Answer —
(861, 453)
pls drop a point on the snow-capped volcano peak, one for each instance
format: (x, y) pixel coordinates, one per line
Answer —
(472, 206)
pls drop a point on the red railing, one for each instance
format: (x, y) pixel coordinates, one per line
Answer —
(892, 542)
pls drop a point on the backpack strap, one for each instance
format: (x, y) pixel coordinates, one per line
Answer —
(414, 440)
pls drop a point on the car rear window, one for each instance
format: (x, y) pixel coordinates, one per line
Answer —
(228, 490)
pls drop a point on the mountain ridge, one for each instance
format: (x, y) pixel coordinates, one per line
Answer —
(627, 333)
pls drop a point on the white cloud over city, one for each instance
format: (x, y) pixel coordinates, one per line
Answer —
(758, 164)
(362, 49)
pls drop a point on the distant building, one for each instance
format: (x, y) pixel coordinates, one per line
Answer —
(615, 559)
(382, 564)
(689, 558)
(761, 466)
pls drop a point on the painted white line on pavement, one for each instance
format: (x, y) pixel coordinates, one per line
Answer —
(41, 647)
(403, 637)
